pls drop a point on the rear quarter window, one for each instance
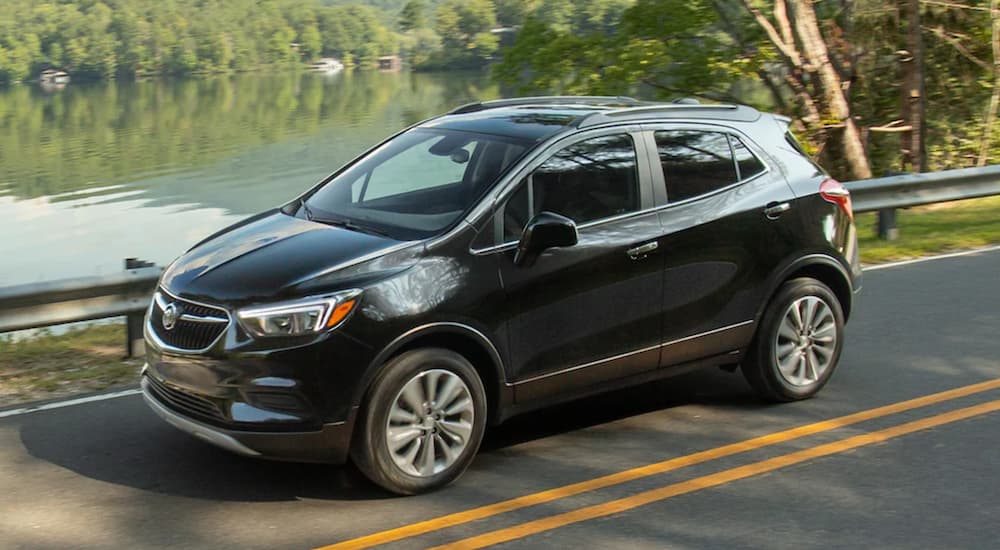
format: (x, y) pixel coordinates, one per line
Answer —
(748, 163)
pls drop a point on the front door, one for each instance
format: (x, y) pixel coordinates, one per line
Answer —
(587, 313)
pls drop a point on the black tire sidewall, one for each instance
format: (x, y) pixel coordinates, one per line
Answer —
(762, 370)
(369, 451)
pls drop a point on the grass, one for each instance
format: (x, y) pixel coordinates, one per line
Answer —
(933, 229)
(82, 360)
(91, 358)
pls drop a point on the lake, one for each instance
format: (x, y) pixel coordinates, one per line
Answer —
(99, 172)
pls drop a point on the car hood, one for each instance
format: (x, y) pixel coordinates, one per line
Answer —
(271, 257)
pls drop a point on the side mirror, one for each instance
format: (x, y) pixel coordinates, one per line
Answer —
(546, 230)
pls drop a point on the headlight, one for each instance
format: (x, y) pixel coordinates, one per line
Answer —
(309, 315)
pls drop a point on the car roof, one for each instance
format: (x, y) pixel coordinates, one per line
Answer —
(537, 118)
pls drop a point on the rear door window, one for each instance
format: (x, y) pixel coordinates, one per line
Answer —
(694, 162)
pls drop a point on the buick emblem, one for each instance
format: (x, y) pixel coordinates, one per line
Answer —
(170, 315)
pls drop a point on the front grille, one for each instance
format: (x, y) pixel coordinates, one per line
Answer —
(185, 401)
(196, 328)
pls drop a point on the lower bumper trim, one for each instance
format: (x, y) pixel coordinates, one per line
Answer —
(328, 445)
(201, 431)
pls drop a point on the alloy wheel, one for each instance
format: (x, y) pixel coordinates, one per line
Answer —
(806, 341)
(430, 423)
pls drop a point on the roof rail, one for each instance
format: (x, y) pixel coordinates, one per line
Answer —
(674, 110)
(546, 100)
(671, 107)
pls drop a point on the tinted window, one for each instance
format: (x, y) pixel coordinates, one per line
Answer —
(418, 183)
(414, 169)
(590, 180)
(694, 162)
(749, 165)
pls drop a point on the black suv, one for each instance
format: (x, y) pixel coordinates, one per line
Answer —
(500, 258)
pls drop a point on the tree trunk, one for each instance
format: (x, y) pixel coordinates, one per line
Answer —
(991, 111)
(913, 102)
(830, 87)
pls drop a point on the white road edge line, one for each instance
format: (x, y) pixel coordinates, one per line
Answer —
(973, 252)
(126, 393)
(69, 402)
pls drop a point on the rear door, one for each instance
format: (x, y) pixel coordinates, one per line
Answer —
(724, 228)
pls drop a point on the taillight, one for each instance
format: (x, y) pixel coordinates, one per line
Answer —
(833, 191)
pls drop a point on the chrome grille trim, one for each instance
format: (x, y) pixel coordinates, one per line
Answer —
(205, 320)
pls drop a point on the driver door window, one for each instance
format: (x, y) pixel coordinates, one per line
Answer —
(591, 180)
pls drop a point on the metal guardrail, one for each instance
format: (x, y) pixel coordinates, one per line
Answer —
(906, 190)
(128, 293)
(124, 294)
(885, 195)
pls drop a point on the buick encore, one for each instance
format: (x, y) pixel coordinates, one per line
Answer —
(503, 257)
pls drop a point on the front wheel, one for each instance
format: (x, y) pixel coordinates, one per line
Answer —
(798, 342)
(422, 422)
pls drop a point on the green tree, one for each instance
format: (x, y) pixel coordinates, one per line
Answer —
(413, 16)
(464, 27)
(836, 67)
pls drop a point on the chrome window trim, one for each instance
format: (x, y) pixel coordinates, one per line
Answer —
(531, 160)
(505, 188)
(630, 353)
(588, 225)
(652, 127)
(654, 209)
(502, 191)
(718, 191)
(150, 332)
(643, 178)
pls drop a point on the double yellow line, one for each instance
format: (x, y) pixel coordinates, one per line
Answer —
(703, 482)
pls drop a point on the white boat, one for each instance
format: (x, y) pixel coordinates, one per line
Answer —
(327, 65)
(52, 76)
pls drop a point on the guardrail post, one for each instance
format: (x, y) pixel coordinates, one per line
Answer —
(886, 217)
(887, 229)
(134, 343)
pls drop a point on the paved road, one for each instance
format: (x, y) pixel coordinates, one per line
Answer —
(109, 474)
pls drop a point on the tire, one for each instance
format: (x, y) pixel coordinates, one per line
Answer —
(453, 428)
(789, 364)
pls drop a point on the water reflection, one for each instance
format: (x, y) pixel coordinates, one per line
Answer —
(103, 171)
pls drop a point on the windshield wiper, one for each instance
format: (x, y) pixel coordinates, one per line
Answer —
(343, 222)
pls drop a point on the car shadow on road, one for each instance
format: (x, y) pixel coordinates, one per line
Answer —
(705, 387)
(122, 442)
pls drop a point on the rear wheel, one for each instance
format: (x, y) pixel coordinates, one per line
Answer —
(422, 422)
(798, 342)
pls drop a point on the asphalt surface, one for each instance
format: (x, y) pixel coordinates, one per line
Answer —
(110, 474)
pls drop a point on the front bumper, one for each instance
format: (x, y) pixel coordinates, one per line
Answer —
(329, 444)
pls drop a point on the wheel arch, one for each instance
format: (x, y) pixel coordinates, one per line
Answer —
(821, 267)
(463, 339)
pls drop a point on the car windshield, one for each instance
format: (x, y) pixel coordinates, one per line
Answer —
(417, 184)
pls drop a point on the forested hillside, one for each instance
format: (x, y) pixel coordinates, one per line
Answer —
(106, 38)
(875, 85)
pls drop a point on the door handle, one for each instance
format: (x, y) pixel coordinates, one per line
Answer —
(642, 250)
(774, 210)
